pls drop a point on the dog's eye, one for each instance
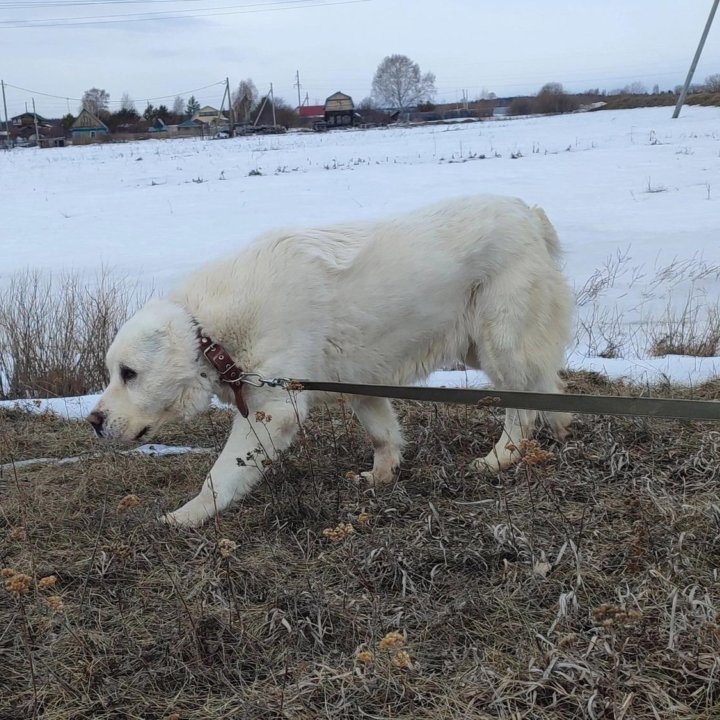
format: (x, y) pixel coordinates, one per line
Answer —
(126, 374)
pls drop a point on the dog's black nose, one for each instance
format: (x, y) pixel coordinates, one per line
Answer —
(96, 419)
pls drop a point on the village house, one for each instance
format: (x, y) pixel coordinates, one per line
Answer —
(34, 129)
(211, 117)
(88, 129)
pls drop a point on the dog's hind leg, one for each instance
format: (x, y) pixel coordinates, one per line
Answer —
(377, 416)
(518, 333)
(558, 422)
(518, 425)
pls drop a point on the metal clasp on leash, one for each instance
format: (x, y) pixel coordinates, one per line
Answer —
(257, 380)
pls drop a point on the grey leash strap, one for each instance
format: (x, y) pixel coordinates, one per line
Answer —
(548, 402)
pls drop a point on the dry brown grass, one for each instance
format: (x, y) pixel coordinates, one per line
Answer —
(585, 586)
(689, 324)
(621, 102)
(685, 333)
(54, 331)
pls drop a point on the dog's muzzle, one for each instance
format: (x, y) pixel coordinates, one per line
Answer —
(97, 420)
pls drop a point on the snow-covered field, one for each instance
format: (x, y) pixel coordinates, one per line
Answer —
(635, 197)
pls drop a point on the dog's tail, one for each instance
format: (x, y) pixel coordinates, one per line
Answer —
(552, 242)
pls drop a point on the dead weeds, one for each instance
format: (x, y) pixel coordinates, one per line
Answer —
(581, 586)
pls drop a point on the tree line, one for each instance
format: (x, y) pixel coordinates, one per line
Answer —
(398, 85)
(97, 101)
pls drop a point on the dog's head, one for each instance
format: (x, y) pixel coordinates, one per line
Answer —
(156, 374)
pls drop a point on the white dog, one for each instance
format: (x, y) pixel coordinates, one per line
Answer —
(474, 280)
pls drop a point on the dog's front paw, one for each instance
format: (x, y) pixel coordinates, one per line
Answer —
(183, 518)
(373, 478)
(194, 512)
(493, 463)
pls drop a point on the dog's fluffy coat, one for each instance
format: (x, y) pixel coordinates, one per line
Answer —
(474, 280)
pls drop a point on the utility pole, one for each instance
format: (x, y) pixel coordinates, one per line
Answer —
(297, 85)
(37, 133)
(7, 124)
(262, 107)
(698, 52)
(272, 100)
(232, 110)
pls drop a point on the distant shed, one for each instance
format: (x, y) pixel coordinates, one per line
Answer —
(339, 110)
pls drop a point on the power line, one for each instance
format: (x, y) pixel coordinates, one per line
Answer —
(26, 5)
(118, 102)
(154, 12)
(281, 5)
(18, 5)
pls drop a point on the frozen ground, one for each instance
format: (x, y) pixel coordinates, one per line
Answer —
(634, 195)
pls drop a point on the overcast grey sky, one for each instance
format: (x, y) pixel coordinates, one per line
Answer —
(508, 47)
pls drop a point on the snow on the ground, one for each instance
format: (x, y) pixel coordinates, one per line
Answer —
(635, 197)
(148, 450)
(71, 408)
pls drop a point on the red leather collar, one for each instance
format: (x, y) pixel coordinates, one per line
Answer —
(229, 373)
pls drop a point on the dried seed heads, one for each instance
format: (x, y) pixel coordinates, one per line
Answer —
(127, 503)
(226, 547)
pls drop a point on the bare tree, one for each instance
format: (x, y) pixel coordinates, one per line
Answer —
(244, 99)
(553, 99)
(178, 105)
(398, 83)
(95, 100)
(712, 83)
(371, 113)
(127, 103)
(635, 88)
(521, 106)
